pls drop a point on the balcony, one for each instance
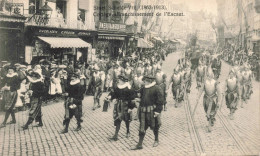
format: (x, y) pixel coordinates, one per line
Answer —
(44, 20)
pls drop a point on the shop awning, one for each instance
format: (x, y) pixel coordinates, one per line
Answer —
(60, 42)
(158, 39)
(144, 44)
(111, 36)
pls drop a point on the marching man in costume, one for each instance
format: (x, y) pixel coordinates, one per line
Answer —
(160, 79)
(98, 83)
(37, 90)
(212, 97)
(9, 85)
(124, 105)
(246, 84)
(232, 93)
(151, 105)
(176, 81)
(73, 103)
(187, 78)
(137, 85)
(200, 74)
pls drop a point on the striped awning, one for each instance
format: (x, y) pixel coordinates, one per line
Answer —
(142, 43)
(60, 42)
(111, 36)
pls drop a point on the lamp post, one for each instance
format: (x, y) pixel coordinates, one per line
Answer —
(46, 11)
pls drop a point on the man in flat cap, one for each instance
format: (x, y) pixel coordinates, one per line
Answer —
(151, 105)
(122, 109)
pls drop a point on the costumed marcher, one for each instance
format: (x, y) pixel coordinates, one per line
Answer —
(232, 93)
(124, 94)
(216, 67)
(200, 74)
(246, 84)
(98, 84)
(73, 103)
(137, 85)
(212, 97)
(151, 105)
(160, 79)
(117, 71)
(187, 77)
(176, 80)
(9, 85)
(37, 89)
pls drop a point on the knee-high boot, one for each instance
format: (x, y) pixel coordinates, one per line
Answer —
(30, 120)
(66, 126)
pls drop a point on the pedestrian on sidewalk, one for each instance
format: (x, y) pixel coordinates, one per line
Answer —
(73, 103)
(123, 108)
(150, 107)
(9, 85)
(37, 90)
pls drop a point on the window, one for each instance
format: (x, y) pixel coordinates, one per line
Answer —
(62, 5)
(103, 10)
(81, 15)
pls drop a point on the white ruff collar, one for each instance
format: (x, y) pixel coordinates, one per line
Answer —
(11, 75)
(74, 82)
(127, 84)
(150, 85)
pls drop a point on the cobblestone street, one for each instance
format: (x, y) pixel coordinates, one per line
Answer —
(174, 134)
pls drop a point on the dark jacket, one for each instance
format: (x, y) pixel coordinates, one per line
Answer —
(152, 96)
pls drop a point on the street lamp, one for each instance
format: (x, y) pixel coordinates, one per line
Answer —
(47, 10)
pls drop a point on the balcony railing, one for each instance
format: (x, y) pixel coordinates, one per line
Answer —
(44, 20)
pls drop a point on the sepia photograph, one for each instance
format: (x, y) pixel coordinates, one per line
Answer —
(129, 77)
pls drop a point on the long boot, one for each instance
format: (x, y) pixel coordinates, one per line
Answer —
(7, 114)
(127, 124)
(115, 137)
(66, 126)
(30, 120)
(40, 122)
(140, 143)
(13, 118)
(78, 127)
(156, 137)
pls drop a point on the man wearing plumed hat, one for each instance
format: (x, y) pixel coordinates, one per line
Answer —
(151, 105)
(124, 94)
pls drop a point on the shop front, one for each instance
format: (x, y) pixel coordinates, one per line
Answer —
(57, 44)
(11, 37)
(111, 40)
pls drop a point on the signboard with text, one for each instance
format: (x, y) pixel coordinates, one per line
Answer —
(112, 26)
(45, 31)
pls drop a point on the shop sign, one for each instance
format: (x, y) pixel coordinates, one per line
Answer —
(60, 32)
(112, 26)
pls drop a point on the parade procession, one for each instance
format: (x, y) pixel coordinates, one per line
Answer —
(123, 77)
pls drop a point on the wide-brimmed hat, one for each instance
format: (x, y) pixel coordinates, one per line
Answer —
(35, 75)
(148, 77)
(123, 78)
